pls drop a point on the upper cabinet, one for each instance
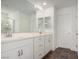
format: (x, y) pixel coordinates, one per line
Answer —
(45, 19)
(45, 12)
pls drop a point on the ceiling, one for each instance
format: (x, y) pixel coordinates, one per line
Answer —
(56, 3)
(27, 6)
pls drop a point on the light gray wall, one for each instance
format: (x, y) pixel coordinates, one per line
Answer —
(66, 33)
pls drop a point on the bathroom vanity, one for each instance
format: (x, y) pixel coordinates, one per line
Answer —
(26, 46)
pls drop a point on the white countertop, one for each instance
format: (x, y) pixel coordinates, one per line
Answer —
(20, 36)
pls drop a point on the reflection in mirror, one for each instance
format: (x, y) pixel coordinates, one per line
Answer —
(6, 24)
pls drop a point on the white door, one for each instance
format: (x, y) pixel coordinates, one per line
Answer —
(67, 31)
(67, 28)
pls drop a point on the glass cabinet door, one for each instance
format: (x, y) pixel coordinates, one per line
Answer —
(40, 24)
(47, 22)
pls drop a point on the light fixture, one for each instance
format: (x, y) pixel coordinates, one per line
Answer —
(44, 3)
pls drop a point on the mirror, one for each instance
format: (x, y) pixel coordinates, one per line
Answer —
(17, 17)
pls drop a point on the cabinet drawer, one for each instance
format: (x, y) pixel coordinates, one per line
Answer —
(38, 47)
(38, 40)
(37, 50)
(38, 43)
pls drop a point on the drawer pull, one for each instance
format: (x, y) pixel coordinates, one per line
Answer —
(19, 53)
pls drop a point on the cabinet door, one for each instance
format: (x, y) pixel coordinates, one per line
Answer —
(47, 44)
(11, 54)
(38, 48)
(27, 51)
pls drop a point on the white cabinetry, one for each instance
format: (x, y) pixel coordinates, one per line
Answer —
(29, 48)
(42, 45)
(18, 50)
(44, 24)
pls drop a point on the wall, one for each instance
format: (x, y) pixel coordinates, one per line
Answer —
(66, 33)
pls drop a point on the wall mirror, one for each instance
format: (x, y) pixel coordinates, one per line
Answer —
(17, 17)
